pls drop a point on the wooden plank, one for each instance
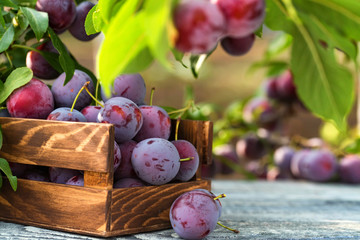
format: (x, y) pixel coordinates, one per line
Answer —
(199, 133)
(56, 206)
(99, 180)
(143, 209)
(82, 146)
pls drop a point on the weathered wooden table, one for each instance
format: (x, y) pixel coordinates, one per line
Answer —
(259, 210)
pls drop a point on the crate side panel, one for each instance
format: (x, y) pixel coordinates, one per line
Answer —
(199, 133)
(146, 208)
(56, 206)
(82, 146)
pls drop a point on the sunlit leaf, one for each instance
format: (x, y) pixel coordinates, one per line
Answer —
(89, 23)
(5, 168)
(17, 78)
(113, 58)
(155, 26)
(281, 43)
(326, 88)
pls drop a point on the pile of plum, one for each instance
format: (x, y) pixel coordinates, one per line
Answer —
(265, 151)
(143, 154)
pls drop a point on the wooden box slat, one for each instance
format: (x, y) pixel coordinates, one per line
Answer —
(81, 146)
(96, 209)
(56, 206)
(148, 206)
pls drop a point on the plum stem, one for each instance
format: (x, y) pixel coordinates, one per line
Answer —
(97, 91)
(231, 229)
(93, 97)
(182, 110)
(220, 196)
(186, 159)
(152, 96)
(177, 128)
(25, 47)
(78, 94)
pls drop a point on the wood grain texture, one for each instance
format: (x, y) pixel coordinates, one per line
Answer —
(56, 206)
(96, 209)
(146, 208)
(82, 146)
(99, 180)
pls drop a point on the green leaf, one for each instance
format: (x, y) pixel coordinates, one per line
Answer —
(22, 26)
(18, 56)
(17, 78)
(26, 3)
(274, 67)
(178, 56)
(259, 31)
(39, 21)
(89, 23)
(344, 16)
(353, 147)
(4, 166)
(113, 58)
(126, 12)
(98, 21)
(281, 43)
(1, 138)
(105, 7)
(333, 39)
(52, 59)
(84, 69)
(196, 62)
(276, 16)
(8, 3)
(22, 20)
(2, 21)
(322, 83)
(7, 38)
(156, 18)
(29, 35)
(326, 88)
(66, 62)
(144, 58)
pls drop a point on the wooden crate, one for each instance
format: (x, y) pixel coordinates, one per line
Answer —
(95, 209)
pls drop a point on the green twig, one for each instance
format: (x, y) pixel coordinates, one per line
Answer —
(25, 47)
(9, 59)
